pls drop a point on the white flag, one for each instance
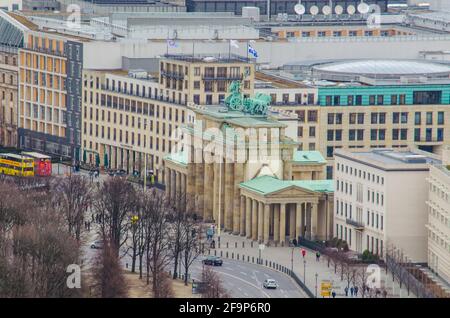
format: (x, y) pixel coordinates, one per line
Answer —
(234, 43)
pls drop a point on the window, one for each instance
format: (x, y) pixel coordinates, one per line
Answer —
(404, 118)
(440, 134)
(312, 131)
(395, 118)
(312, 115)
(330, 119)
(417, 134)
(429, 120)
(427, 97)
(440, 118)
(338, 134)
(417, 118)
(330, 135)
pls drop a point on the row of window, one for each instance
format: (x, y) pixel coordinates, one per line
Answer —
(418, 98)
(350, 33)
(362, 174)
(439, 192)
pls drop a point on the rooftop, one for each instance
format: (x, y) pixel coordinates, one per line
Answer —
(267, 184)
(211, 58)
(271, 81)
(308, 157)
(180, 157)
(389, 159)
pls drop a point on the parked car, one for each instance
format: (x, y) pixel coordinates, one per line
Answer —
(270, 284)
(213, 260)
(97, 244)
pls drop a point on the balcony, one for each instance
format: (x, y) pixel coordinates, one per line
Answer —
(175, 75)
(358, 225)
(44, 50)
(222, 77)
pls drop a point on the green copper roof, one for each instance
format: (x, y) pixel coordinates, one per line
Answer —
(267, 184)
(179, 157)
(306, 157)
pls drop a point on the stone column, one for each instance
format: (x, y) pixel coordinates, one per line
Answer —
(308, 220)
(190, 188)
(266, 222)
(218, 190)
(291, 221)
(282, 222)
(314, 220)
(173, 176)
(178, 190)
(199, 194)
(229, 193)
(208, 189)
(276, 222)
(248, 217)
(260, 220)
(298, 220)
(183, 192)
(242, 215)
(254, 220)
(238, 178)
(168, 185)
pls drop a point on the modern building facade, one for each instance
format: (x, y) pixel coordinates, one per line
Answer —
(380, 200)
(438, 224)
(8, 96)
(50, 68)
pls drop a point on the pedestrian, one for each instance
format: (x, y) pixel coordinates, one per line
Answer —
(333, 294)
(346, 291)
(317, 256)
(351, 291)
(385, 293)
(356, 291)
(92, 217)
(303, 253)
(294, 241)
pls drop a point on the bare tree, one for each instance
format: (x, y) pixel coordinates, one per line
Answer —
(115, 203)
(212, 285)
(158, 256)
(74, 196)
(109, 281)
(190, 244)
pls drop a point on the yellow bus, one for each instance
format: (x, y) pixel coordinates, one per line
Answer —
(16, 165)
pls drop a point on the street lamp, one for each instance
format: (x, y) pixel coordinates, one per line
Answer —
(317, 275)
(304, 272)
(261, 247)
(292, 259)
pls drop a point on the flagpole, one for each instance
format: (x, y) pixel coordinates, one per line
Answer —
(247, 51)
(229, 49)
(167, 43)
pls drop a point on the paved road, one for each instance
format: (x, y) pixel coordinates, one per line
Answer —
(245, 280)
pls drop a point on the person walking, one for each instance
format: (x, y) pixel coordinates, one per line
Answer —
(333, 294)
(303, 253)
(351, 291)
(317, 256)
(356, 291)
(346, 291)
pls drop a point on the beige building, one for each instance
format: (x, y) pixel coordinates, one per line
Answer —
(380, 200)
(129, 117)
(438, 224)
(8, 96)
(257, 196)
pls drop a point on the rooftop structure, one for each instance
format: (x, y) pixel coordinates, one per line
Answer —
(392, 160)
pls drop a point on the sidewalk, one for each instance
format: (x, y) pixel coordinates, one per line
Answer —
(308, 267)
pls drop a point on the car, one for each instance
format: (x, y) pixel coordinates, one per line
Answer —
(97, 244)
(270, 284)
(213, 260)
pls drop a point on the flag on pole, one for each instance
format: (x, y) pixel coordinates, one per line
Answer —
(234, 43)
(171, 43)
(252, 51)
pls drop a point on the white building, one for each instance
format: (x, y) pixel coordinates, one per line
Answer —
(380, 200)
(439, 220)
(11, 5)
